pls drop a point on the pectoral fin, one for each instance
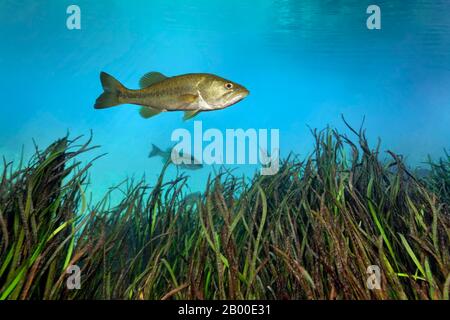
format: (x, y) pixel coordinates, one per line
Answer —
(190, 114)
(147, 112)
(187, 99)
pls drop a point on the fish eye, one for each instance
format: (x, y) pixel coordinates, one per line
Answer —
(229, 85)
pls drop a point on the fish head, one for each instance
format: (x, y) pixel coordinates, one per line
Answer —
(221, 93)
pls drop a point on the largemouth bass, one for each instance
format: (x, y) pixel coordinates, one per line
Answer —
(185, 161)
(191, 93)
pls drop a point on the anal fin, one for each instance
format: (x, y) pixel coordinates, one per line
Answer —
(148, 112)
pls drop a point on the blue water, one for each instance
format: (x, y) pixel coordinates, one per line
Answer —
(305, 63)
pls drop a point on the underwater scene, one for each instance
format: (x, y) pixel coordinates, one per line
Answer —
(238, 150)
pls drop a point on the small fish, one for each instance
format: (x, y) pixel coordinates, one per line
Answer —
(192, 93)
(186, 161)
(192, 198)
(423, 173)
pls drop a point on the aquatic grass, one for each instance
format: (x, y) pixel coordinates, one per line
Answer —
(308, 232)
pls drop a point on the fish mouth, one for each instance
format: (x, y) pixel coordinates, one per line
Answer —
(238, 96)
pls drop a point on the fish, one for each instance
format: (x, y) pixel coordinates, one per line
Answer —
(184, 161)
(423, 173)
(192, 93)
(192, 198)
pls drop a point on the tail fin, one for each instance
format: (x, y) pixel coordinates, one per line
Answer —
(155, 151)
(110, 96)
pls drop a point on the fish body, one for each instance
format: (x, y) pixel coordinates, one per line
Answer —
(184, 161)
(192, 198)
(192, 93)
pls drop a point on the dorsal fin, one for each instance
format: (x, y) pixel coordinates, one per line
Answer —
(151, 78)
